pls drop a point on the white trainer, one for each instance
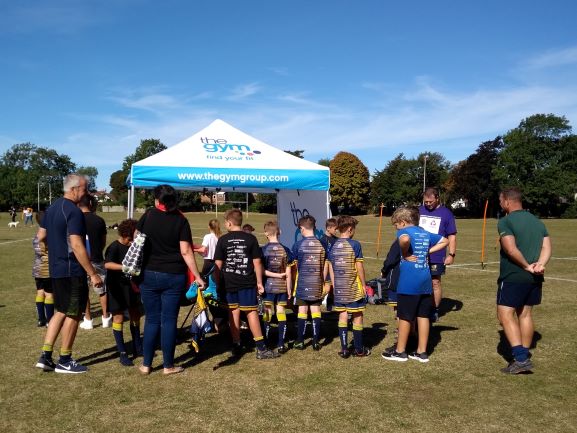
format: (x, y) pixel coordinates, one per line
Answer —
(86, 324)
(106, 321)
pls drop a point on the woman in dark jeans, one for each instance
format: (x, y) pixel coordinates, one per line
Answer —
(167, 256)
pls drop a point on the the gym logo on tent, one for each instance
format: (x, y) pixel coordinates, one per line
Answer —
(220, 145)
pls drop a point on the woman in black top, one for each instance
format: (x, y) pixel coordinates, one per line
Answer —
(168, 255)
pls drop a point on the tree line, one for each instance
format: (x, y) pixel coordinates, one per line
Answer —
(539, 156)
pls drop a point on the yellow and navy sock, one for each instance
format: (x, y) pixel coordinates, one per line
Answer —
(358, 337)
(281, 318)
(65, 355)
(40, 308)
(343, 331)
(266, 317)
(49, 308)
(47, 349)
(259, 343)
(119, 337)
(301, 326)
(316, 326)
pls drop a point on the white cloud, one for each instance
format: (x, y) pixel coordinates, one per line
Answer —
(554, 58)
(244, 91)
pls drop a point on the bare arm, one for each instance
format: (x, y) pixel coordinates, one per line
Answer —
(188, 256)
(442, 244)
(361, 272)
(79, 249)
(546, 250)
(510, 248)
(41, 234)
(452, 249)
(113, 266)
(289, 282)
(258, 270)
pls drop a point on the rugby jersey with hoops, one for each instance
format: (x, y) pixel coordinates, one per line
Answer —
(276, 258)
(343, 255)
(309, 255)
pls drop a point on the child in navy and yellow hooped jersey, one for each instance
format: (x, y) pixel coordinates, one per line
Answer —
(348, 276)
(278, 285)
(309, 255)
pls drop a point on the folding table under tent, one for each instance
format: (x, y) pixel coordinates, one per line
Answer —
(223, 158)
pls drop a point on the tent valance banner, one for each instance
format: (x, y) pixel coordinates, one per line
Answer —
(221, 156)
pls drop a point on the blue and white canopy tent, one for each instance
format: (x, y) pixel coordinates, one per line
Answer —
(223, 158)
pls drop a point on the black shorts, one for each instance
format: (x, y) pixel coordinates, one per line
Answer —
(121, 297)
(437, 269)
(304, 303)
(44, 284)
(70, 295)
(409, 307)
(517, 295)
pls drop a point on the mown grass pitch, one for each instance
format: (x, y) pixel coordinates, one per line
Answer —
(461, 389)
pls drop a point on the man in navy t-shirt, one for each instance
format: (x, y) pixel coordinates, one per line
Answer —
(436, 218)
(64, 231)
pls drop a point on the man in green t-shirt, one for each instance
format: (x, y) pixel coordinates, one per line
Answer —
(525, 250)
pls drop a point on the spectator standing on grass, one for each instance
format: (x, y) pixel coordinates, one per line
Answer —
(436, 218)
(41, 273)
(345, 259)
(13, 213)
(239, 269)
(167, 255)
(64, 230)
(95, 243)
(121, 296)
(278, 285)
(309, 256)
(414, 290)
(525, 251)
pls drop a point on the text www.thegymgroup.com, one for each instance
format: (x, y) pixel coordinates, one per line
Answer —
(227, 178)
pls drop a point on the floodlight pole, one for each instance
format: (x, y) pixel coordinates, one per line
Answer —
(425, 172)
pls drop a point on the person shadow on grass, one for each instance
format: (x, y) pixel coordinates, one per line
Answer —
(447, 305)
(504, 348)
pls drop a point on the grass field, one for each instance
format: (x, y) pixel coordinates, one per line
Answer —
(460, 390)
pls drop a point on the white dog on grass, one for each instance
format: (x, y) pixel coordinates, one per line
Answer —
(13, 224)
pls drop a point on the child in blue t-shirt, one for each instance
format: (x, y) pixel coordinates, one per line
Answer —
(415, 288)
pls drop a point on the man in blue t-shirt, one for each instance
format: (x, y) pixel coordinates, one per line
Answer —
(64, 231)
(436, 218)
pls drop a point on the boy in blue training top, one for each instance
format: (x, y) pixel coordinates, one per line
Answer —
(277, 262)
(309, 255)
(347, 272)
(415, 287)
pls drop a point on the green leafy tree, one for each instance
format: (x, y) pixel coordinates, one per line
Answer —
(297, 153)
(325, 162)
(27, 170)
(399, 183)
(536, 157)
(264, 203)
(349, 184)
(472, 179)
(148, 147)
(91, 174)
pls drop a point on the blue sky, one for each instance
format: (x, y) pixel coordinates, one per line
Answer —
(92, 78)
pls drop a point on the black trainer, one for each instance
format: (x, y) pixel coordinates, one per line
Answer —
(299, 345)
(344, 353)
(421, 357)
(316, 347)
(361, 354)
(70, 367)
(282, 349)
(395, 356)
(125, 360)
(517, 367)
(45, 363)
(266, 354)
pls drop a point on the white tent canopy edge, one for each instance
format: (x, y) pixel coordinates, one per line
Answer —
(223, 158)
